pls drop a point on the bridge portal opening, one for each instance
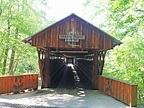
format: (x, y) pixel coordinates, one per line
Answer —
(66, 73)
(70, 60)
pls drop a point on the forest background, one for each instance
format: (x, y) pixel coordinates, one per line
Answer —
(124, 19)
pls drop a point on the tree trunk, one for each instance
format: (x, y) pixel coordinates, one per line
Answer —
(11, 65)
(5, 61)
(6, 50)
(11, 62)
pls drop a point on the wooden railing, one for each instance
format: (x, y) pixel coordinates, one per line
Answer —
(18, 83)
(122, 91)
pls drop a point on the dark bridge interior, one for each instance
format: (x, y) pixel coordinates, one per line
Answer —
(70, 72)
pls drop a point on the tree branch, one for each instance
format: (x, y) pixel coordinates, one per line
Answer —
(140, 10)
(0, 10)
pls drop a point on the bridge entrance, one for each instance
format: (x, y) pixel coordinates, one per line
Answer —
(75, 41)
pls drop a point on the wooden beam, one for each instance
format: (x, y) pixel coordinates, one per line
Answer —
(78, 52)
(46, 71)
(43, 56)
(101, 61)
(94, 80)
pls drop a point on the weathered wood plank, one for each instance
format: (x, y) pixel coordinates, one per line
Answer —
(133, 95)
(54, 37)
(61, 41)
(90, 38)
(84, 32)
(97, 40)
(95, 71)
(93, 39)
(51, 38)
(17, 83)
(81, 27)
(87, 38)
(67, 31)
(122, 91)
(57, 36)
(48, 38)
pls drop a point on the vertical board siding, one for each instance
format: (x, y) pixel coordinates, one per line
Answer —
(48, 37)
(124, 92)
(61, 41)
(36, 39)
(57, 36)
(97, 40)
(66, 31)
(78, 29)
(90, 38)
(1, 85)
(51, 38)
(43, 40)
(19, 83)
(83, 32)
(94, 39)
(133, 94)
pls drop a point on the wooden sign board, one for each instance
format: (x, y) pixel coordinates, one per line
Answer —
(72, 36)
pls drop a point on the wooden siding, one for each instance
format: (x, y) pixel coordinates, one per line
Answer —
(94, 39)
(122, 91)
(18, 83)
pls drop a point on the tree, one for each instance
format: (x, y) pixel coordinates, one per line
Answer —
(124, 20)
(19, 19)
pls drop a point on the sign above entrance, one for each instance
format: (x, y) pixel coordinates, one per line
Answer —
(72, 37)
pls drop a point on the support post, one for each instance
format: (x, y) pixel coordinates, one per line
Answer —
(44, 67)
(46, 71)
(101, 61)
(94, 80)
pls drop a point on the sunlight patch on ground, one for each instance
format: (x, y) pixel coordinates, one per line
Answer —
(65, 98)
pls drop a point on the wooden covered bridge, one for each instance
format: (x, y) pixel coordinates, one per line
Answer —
(75, 43)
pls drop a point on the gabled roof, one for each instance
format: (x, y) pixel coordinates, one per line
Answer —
(115, 41)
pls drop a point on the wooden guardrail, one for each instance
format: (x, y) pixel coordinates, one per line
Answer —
(18, 83)
(122, 91)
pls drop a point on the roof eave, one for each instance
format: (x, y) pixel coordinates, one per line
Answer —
(26, 39)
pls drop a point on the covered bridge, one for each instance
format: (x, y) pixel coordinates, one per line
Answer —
(74, 40)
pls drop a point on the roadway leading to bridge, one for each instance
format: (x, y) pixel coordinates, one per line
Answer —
(65, 98)
(70, 93)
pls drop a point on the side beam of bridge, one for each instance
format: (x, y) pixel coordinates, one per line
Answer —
(120, 90)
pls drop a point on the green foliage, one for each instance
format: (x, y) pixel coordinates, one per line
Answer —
(19, 19)
(124, 18)
(127, 61)
(125, 22)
